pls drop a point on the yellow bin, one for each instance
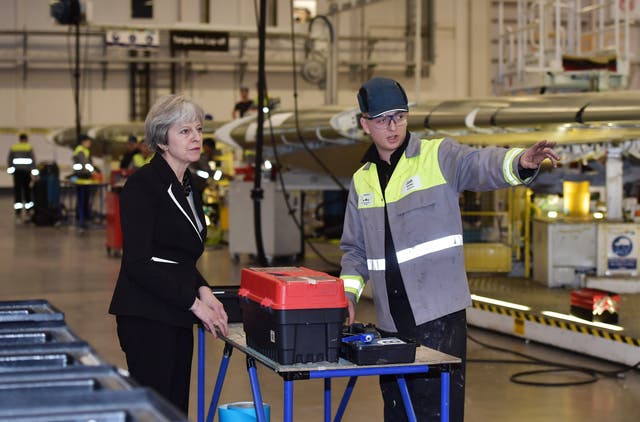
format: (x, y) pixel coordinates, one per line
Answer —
(576, 198)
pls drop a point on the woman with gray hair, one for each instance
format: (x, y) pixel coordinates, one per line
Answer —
(160, 293)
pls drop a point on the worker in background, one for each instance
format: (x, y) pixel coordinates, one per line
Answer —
(208, 153)
(244, 105)
(204, 173)
(21, 163)
(403, 234)
(143, 156)
(203, 170)
(132, 149)
(83, 171)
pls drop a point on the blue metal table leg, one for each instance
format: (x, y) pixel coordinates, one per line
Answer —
(408, 406)
(327, 400)
(217, 390)
(288, 401)
(255, 389)
(445, 385)
(345, 398)
(200, 374)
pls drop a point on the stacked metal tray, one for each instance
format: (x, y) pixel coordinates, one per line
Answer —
(48, 373)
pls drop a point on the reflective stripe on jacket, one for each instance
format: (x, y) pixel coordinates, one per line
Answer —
(424, 217)
(82, 164)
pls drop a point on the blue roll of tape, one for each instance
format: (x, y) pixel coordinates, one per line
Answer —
(242, 412)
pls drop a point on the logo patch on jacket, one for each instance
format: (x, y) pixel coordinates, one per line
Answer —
(365, 200)
(412, 183)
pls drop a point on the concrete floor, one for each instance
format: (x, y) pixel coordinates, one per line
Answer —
(76, 275)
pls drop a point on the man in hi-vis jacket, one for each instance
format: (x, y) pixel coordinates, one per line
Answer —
(21, 164)
(403, 233)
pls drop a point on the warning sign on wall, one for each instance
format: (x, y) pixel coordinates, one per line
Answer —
(618, 249)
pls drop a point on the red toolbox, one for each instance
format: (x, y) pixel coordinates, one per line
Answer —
(595, 305)
(292, 314)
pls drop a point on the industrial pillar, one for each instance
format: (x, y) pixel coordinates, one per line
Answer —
(614, 183)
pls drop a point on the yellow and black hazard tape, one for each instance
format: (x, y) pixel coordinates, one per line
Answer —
(566, 325)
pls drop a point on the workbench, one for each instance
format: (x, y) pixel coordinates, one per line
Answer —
(426, 358)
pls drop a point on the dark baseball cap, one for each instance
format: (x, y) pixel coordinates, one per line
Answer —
(381, 95)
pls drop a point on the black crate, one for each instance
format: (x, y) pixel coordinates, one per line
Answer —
(28, 311)
(48, 357)
(136, 405)
(380, 351)
(21, 334)
(73, 380)
(588, 314)
(228, 295)
(294, 335)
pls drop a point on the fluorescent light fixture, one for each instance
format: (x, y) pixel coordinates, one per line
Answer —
(582, 321)
(552, 214)
(500, 303)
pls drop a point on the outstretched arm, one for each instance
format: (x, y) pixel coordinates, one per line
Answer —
(536, 154)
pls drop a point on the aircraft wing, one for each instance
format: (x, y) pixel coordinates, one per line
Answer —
(582, 124)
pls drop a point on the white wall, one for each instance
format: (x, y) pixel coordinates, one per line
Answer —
(43, 98)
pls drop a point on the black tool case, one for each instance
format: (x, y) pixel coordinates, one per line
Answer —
(228, 295)
(380, 351)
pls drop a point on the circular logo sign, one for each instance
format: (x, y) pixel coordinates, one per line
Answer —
(622, 245)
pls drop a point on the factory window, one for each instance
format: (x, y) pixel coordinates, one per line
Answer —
(142, 9)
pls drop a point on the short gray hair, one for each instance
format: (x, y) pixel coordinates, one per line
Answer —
(165, 112)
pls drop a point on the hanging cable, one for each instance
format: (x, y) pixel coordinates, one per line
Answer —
(283, 187)
(258, 159)
(290, 209)
(257, 192)
(73, 57)
(295, 97)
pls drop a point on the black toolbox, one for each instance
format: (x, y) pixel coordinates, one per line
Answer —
(292, 314)
(28, 311)
(228, 295)
(363, 345)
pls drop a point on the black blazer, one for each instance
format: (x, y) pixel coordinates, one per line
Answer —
(161, 243)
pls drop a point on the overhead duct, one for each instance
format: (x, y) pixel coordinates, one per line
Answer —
(456, 114)
(621, 107)
(540, 110)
